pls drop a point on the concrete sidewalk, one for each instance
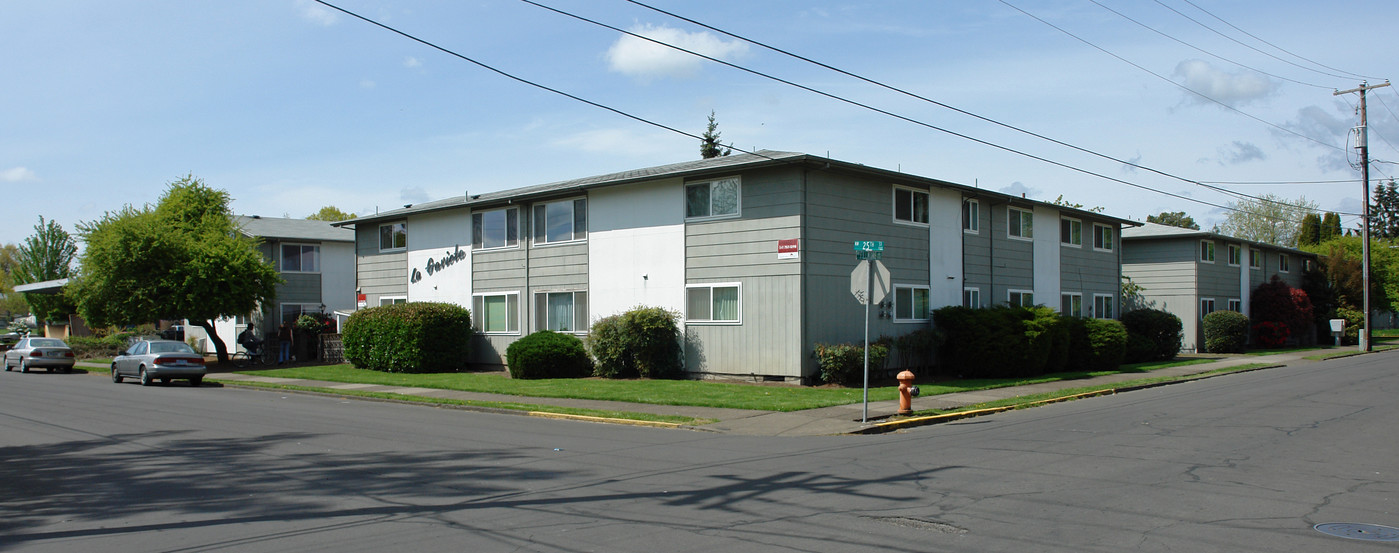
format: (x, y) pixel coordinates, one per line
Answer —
(842, 419)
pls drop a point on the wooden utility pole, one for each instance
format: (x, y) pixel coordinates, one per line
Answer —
(1362, 144)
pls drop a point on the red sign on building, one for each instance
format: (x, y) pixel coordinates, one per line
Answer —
(788, 249)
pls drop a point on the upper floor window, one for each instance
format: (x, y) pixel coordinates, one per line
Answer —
(301, 258)
(1207, 251)
(1102, 237)
(1236, 255)
(1282, 263)
(717, 198)
(495, 229)
(393, 236)
(1070, 232)
(560, 221)
(1020, 223)
(971, 216)
(911, 303)
(910, 206)
(1255, 259)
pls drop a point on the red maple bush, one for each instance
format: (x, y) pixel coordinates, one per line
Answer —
(1277, 302)
(1271, 334)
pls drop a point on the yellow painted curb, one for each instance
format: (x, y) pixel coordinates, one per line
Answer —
(936, 419)
(586, 418)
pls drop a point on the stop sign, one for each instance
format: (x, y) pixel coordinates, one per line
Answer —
(861, 285)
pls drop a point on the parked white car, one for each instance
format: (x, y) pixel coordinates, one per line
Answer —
(40, 353)
(163, 360)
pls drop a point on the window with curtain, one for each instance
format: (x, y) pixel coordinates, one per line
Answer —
(1102, 307)
(1207, 251)
(1022, 298)
(910, 206)
(496, 313)
(495, 229)
(1102, 237)
(971, 297)
(1071, 232)
(1072, 305)
(718, 198)
(971, 216)
(561, 311)
(560, 221)
(1020, 223)
(712, 303)
(911, 303)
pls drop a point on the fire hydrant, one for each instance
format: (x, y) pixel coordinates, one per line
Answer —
(906, 392)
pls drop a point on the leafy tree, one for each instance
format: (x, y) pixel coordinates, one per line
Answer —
(1330, 227)
(1384, 211)
(181, 259)
(1061, 201)
(10, 302)
(709, 141)
(1309, 234)
(1175, 219)
(1270, 219)
(1341, 261)
(331, 214)
(46, 255)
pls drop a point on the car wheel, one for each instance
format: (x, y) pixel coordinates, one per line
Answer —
(23, 366)
(116, 376)
(195, 381)
(145, 377)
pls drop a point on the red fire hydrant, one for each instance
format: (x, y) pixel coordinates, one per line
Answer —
(906, 392)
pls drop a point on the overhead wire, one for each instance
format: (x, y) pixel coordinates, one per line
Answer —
(1279, 48)
(1249, 46)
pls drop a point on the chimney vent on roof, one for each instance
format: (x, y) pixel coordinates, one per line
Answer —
(257, 216)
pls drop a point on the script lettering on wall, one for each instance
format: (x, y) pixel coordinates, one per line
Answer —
(435, 266)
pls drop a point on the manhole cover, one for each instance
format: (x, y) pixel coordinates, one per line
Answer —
(1371, 532)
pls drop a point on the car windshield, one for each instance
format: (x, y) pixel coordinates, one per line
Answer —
(170, 347)
(47, 343)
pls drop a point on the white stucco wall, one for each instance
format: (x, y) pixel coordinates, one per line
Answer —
(444, 239)
(1047, 257)
(636, 247)
(945, 247)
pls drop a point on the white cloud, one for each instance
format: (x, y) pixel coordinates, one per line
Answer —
(644, 59)
(1233, 89)
(1240, 152)
(411, 62)
(612, 141)
(316, 13)
(17, 174)
(1022, 189)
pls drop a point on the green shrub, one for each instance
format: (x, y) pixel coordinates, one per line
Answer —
(89, 347)
(917, 349)
(998, 342)
(1355, 320)
(1159, 328)
(844, 364)
(643, 342)
(415, 337)
(1225, 332)
(1107, 344)
(548, 354)
(1048, 332)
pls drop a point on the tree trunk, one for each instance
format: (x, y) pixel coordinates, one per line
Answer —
(220, 349)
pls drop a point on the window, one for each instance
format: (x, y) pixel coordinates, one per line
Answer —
(971, 216)
(910, 206)
(1255, 259)
(1207, 251)
(1282, 263)
(496, 313)
(1236, 306)
(1102, 306)
(1023, 298)
(1021, 223)
(911, 303)
(1071, 232)
(1308, 265)
(561, 311)
(719, 198)
(1102, 237)
(393, 236)
(971, 297)
(1071, 305)
(301, 258)
(712, 303)
(560, 221)
(495, 229)
(390, 300)
(1206, 307)
(1236, 255)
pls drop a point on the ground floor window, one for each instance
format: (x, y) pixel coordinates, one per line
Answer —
(1206, 307)
(497, 313)
(911, 303)
(1102, 307)
(390, 300)
(561, 311)
(1236, 306)
(716, 303)
(1072, 305)
(293, 311)
(1022, 298)
(971, 297)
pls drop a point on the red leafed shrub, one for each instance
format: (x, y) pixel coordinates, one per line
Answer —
(1276, 302)
(1271, 334)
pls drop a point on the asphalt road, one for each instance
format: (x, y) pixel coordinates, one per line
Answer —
(1247, 462)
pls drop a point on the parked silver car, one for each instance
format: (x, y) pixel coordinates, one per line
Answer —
(163, 360)
(40, 353)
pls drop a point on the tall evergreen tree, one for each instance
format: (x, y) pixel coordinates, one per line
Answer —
(1310, 232)
(709, 144)
(1384, 211)
(1330, 226)
(46, 255)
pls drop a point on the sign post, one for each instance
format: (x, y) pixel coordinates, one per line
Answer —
(869, 283)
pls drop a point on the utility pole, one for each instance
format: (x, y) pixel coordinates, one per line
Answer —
(1362, 144)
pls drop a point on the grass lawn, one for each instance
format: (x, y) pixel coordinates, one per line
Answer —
(671, 392)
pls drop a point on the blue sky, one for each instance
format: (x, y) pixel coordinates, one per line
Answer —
(290, 106)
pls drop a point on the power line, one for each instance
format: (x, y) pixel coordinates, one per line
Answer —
(1279, 48)
(1201, 50)
(1249, 46)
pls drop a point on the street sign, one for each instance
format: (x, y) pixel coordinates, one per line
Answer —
(869, 246)
(863, 284)
(869, 255)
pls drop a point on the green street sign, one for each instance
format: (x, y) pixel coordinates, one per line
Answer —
(869, 246)
(869, 255)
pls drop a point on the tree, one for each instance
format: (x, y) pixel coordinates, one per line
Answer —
(1060, 201)
(181, 259)
(1269, 218)
(10, 302)
(1175, 219)
(1330, 227)
(1384, 211)
(709, 142)
(331, 214)
(1309, 234)
(46, 255)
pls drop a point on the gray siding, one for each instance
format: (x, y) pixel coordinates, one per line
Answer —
(300, 288)
(1012, 260)
(379, 274)
(1088, 271)
(976, 255)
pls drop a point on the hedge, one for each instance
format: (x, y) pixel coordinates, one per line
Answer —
(415, 337)
(1225, 332)
(643, 342)
(1002, 341)
(548, 354)
(844, 364)
(1152, 335)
